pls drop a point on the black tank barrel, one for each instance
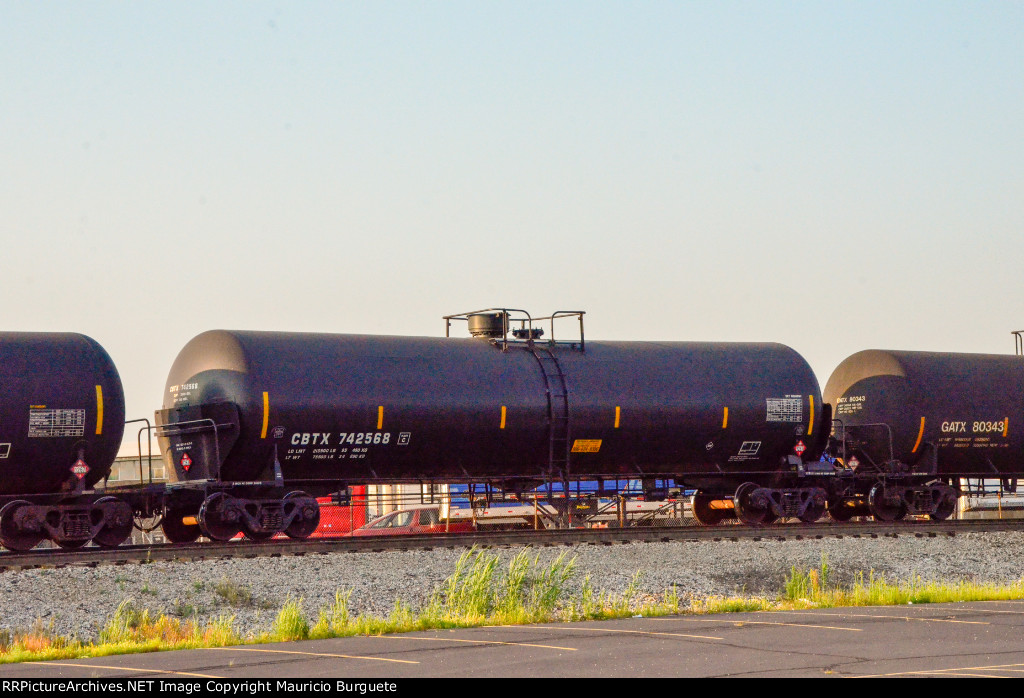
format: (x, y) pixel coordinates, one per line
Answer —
(966, 409)
(381, 408)
(61, 412)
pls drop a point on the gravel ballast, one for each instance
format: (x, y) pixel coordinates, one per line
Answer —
(78, 601)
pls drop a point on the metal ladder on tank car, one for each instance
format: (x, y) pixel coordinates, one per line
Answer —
(558, 411)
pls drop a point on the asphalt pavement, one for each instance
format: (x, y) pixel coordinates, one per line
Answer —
(982, 639)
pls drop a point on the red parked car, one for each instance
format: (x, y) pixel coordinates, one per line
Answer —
(414, 520)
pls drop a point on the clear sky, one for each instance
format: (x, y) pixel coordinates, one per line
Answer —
(835, 176)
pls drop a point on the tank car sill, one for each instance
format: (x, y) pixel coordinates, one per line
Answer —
(130, 488)
(53, 497)
(223, 485)
(192, 484)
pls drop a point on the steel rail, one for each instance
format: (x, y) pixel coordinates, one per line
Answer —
(141, 554)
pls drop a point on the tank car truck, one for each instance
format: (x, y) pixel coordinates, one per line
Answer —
(255, 425)
(910, 425)
(61, 422)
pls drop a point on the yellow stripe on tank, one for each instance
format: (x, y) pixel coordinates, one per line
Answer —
(725, 417)
(810, 425)
(99, 410)
(920, 435)
(380, 417)
(618, 416)
(503, 412)
(266, 414)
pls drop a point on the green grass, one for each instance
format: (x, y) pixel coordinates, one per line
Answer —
(479, 592)
(813, 588)
(290, 624)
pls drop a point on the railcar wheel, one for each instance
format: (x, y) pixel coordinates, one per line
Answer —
(884, 510)
(11, 535)
(175, 528)
(219, 517)
(752, 509)
(700, 505)
(115, 532)
(307, 517)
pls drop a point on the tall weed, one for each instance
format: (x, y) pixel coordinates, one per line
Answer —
(290, 623)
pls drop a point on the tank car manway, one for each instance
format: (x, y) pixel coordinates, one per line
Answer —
(499, 323)
(93, 557)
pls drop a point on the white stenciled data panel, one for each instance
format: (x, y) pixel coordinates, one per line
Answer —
(54, 423)
(785, 409)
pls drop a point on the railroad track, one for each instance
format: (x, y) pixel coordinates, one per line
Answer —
(142, 554)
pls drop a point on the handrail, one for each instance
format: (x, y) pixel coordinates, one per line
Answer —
(169, 430)
(844, 429)
(147, 428)
(524, 319)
